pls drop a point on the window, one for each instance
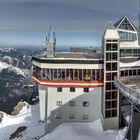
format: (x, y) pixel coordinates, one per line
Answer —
(122, 73)
(108, 66)
(134, 72)
(72, 89)
(71, 103)
(59, 103)
(85, 116)
(58, 116)
(86, 89)
(114, 46)
(108, 56)
(108, 47)
(114, 104)
(108, 76)
(114, 113)
(111, 113)
(108, 95)
(85, 104)
(71, 116)
(108, 113)
(111, 47)
(108, 104)
(138, 72)
(114, 94)
(110, 86)
(114, 56)
(130, 72)
(59, 89)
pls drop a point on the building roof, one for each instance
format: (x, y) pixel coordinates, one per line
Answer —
(72, 55)
(125, 24)
(111, 32)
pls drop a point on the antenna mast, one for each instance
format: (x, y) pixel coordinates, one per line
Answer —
(49, 33)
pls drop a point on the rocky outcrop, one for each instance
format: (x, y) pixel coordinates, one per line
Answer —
(19, 107)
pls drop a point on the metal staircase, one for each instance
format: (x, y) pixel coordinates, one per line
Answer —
(133, 97)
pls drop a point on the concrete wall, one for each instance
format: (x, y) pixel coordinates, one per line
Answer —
(110, 123)
(93, 110)
(43, 102)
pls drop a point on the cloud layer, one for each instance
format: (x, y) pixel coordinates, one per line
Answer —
(87, 16)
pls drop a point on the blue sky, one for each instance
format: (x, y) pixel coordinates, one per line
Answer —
(76, 22)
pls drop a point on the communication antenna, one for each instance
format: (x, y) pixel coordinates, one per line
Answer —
(54, 38)
(49, 33)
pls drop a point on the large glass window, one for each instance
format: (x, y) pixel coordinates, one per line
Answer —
(126, 36)
(68, 74)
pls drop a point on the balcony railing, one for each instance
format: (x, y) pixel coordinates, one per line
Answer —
(130, 93)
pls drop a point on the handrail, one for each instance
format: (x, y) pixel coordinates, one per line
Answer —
(127, 91)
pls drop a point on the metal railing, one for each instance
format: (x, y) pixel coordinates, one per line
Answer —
(130, 93)
(133, 97)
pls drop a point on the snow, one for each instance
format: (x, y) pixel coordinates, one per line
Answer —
(84, 131)
(29, 117)
(19, 71)
(3, 66)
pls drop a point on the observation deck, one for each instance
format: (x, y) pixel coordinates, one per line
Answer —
(69, 69)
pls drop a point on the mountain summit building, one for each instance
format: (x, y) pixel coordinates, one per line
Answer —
(78, 86)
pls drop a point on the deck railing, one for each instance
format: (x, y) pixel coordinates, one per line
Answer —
(129, 92)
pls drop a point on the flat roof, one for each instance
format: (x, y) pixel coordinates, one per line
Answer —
(72, 55)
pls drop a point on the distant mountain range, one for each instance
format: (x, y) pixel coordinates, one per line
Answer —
(15, 77)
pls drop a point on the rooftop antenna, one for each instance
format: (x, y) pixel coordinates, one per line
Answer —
(49, 33)
(54, 38)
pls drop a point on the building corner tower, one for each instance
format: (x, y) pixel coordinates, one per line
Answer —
(110, 95)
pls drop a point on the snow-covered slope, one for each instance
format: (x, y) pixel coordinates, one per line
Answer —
(29, 117)
(84, 131)
(3, 66)
(12, 68)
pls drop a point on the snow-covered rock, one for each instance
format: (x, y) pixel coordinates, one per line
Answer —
(3, 66)
(28, 117)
